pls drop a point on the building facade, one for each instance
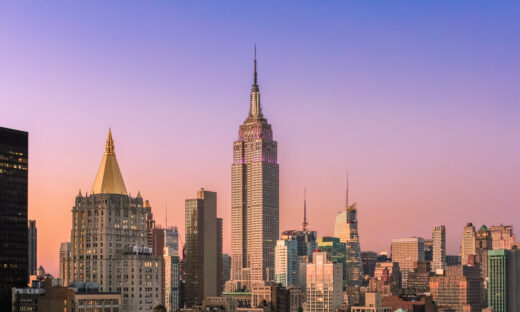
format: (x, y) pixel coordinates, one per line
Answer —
(407, 251)
(202, 264)
(498, 261)
(502, 236)
(255, 198)
(458, 289)
(439, 247)
(324, 284)
(13, 213)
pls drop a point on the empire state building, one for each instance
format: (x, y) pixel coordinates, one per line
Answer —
(255, 198)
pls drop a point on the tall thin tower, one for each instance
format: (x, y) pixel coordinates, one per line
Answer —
(305, 225)
(255, 199)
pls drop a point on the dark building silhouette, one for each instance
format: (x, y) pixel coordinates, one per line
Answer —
(13, 213)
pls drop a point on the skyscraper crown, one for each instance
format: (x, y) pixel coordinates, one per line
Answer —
(109, 179)
(255, 109)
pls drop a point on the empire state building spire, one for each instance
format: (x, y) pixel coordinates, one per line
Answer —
(255, 110)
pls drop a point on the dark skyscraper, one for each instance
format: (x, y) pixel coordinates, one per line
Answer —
(202, 263)
(13, 213)
(32, 241)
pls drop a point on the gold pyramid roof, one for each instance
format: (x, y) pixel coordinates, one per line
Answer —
(109, 179)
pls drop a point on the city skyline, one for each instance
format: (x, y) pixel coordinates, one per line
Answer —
(420, 153)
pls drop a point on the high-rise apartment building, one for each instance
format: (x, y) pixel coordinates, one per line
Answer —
(171, 279)
(13, 213)
(111, 239)
(255, 198)
(502, 236)
(65, 258)
(324, 284)
(407, 251)
(32, 250)
(286, 267)
(468, 244)
(458, 289)
(504, 280)
(346, 229)
(439, 247)
(202, 264)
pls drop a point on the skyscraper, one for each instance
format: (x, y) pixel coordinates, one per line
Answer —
(171, 275)
(346, 229)
(468, 245)
(255, 197)
(439, 247)
(497, 285)
(202, 262)
(407, 251)
(32, 242)
(483, 245)
(286, 269)
(504, 280)
(111, 239)
(13, 213)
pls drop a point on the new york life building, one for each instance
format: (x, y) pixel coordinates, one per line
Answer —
(111, 240)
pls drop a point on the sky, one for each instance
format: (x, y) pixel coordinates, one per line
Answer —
(420, 101)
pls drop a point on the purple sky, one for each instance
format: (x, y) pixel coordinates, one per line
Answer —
(420, 101)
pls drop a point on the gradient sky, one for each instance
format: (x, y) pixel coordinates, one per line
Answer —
(419, 100)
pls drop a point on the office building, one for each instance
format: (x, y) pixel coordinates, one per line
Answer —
(202, 264)
(407, 251)
(324, 284)
(439, 247)
(111, 239)
(504, 280)
(369, 259)
(255, 198)
(468, 245)
(458, 289)
(226, 268)
(286, 269)
(13, 213)
(346, 229)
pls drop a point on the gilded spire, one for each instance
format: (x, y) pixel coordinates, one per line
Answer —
(109, 179)
(109, 146)
(255, 110)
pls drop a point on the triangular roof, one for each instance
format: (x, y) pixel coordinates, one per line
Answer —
(109, 179)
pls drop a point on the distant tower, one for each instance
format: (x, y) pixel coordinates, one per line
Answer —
(255, 198)
(346, 229)
(439, 247)
(468, 245)
(33, 244)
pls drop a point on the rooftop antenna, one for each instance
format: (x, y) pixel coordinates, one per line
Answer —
(346, 197)
(305, 224)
